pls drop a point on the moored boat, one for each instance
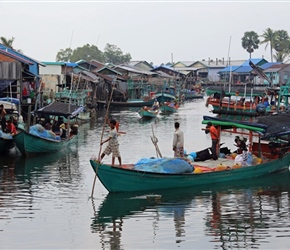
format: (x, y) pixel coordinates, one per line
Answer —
(129, 177)
(30, 144)
(129, 103)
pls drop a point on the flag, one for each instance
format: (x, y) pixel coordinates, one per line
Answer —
(258, 71)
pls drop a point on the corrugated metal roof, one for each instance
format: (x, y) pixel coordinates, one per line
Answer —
(20, 55)
(254, 61)
(54, 63)
(269, 64)
(60, 109)
(229, 69)
(243, 69)
(18, 58)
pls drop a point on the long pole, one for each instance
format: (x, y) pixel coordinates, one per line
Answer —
(103, 130)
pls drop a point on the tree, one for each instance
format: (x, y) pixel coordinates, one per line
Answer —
(114, 55)
(281, 56)
(7, 42)
(270, 37)
(250, 41)
(282, 40)
(64, 55)
(87, 52)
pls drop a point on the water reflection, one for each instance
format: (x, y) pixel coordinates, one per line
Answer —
(241, 213)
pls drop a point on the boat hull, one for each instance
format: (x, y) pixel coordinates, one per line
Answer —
(6, 144)
(133, 103)
(148, 113)
(29, 144)
(116, 179)
(168, 109)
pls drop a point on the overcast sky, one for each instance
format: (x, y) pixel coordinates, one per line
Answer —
(148, 30)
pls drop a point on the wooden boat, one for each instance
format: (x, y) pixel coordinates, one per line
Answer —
(119, 205)
(191, 95)
(127, 178)
(30, 144)
(234, 91)
(129, 103)
(164, 97)
(168, 107)
(6, 144)
(146, 112)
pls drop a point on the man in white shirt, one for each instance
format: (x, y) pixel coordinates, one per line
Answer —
(178, 141)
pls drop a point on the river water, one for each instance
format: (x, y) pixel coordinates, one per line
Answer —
(45, 201)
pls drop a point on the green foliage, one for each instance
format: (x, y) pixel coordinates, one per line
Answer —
(8, 43)
(114, 55)
(250, 41)
(269, 38)
(87, 52)
(64, 55)
(111, 54)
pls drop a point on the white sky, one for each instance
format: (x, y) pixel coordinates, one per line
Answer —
(148, 30)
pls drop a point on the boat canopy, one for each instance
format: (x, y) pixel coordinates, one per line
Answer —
(228, 124)
(60, 109)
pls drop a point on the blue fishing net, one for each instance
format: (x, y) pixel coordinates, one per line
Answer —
(164, 165)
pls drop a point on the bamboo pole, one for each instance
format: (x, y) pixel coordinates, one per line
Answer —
(103, 130)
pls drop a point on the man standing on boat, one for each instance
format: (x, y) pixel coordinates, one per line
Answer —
(214, 138)
(178, 141)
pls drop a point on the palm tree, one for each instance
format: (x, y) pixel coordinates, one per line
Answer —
(7, 42)
(282, 39)
(250, 41)
(269, 36)
(281, 56)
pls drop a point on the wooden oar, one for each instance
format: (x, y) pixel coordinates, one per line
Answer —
(103, 130)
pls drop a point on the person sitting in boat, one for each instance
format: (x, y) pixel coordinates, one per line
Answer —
(48, 127)
(63, 130)
(171, 104)
(155, 105)
(266, 102)
(10, 128)
(242, 151)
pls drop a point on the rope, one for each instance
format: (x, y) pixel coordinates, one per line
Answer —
(154, 140)
(102, 135)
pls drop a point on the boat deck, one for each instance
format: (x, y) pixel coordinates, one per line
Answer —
(213, 164)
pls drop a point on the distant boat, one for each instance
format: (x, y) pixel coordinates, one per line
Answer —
(168, 107)
(129, 103)
(164, 97)
(146, 112)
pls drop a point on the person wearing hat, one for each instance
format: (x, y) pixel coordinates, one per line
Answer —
(63, 130)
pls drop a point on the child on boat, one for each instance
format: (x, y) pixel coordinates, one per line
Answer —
(113, 146)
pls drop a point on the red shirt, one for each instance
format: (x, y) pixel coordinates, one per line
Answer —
(11, 128)
(213, 133)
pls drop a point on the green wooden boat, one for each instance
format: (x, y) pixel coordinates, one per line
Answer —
(146, 112)
(167, 108)
(128, 178)
(29, 144)
(125, 179)
(120, 205)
